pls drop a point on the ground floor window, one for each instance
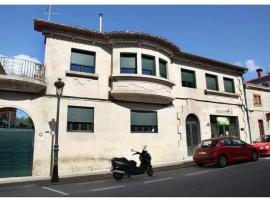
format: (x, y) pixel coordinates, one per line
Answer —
(224, 126)
(144, 121)
(80, 119)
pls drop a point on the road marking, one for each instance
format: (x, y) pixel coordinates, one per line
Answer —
(164, 179)
(196, 173)
(57, 191)
(107, 188)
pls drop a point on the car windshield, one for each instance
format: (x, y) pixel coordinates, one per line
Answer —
(208, 143)
(265, 138)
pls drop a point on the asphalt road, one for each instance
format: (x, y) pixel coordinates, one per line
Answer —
(248, 179)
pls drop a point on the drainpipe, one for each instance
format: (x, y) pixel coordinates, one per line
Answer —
(247, 110)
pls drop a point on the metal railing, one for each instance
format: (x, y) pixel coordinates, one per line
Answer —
(22, 68)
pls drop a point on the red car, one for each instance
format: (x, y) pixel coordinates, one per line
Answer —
(262, 143)
(224, 150)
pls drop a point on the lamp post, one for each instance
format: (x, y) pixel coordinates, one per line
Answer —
(59, 85)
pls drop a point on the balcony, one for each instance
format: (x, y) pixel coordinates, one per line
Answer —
(21, 75)
(146, 89)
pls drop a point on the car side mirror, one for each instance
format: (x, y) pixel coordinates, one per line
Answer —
(253, 141)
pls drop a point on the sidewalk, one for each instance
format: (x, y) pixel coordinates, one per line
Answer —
(86, 177)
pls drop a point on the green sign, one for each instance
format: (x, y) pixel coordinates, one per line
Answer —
(223, 120)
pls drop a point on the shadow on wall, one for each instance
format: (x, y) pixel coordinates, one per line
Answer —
(141, 106)
(18, 96)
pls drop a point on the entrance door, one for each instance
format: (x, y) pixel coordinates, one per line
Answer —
(16, 143)
(192, 132)
(261, 128)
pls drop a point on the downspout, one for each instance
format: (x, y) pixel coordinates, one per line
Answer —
(246, 109)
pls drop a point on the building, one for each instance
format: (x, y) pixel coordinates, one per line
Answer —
(258, 103)
(123, 90)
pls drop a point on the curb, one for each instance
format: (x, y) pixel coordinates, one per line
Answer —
(94, 177)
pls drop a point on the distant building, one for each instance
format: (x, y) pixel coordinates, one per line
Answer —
(258, 100)
(123, 90)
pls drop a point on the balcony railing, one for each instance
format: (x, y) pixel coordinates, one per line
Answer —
(22, 68)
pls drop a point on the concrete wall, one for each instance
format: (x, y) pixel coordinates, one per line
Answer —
(258, 112)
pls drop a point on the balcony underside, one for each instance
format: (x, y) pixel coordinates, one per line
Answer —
(144, 98)
(21, 84)
(141, 88)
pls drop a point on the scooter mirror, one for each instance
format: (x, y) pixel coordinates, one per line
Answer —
(132, 150)
(144, 147)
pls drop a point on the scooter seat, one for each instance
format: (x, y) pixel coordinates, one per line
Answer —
(121, 160)
(132, 162)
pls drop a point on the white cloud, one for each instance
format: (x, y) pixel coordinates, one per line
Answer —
(18, 66)
(250, 64)
(26, 57)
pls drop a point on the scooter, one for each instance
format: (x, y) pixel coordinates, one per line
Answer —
(122, 166)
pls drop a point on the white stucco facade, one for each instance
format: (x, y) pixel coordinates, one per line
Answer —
(85, 152)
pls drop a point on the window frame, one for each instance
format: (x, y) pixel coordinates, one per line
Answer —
(255, 101)
(81, 131)
(229, 79)
(85, 52)
(189, 71)
(213, 76)
(144, 111)
(136, 64)
(154, 58)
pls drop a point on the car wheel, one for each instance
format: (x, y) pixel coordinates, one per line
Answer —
(118, 176)
(254, 156)
(222, 161)
(200, 164)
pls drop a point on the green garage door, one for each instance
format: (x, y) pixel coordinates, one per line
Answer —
(16, 152)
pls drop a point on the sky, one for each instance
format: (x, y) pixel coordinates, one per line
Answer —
(233, 34)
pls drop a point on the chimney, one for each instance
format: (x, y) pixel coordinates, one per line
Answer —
(100, 22)
(260, 72)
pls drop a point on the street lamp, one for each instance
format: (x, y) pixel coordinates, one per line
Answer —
(59, 85)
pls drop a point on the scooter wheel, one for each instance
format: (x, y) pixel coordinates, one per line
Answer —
(149, 170)
(118, 176)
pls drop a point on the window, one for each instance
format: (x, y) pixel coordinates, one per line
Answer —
(148, 65)
(162, 68)
(208, 143)
(82, 61)
(237, 142)
(229, 85)
(188, 78)
(257, 100)
(224, 126)
(226, 142)
(128, 64)
(211, 82)
(144, 121)
(80, 119)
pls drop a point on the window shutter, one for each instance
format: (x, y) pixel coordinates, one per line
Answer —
(163, 68)
(84, 59)
(148, 63)
(211, 82)
(128, 61)
(187, 76)
(143, 118)
(78, 114)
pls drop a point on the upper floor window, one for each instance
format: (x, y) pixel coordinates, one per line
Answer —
(162, 68)
(188, 78)
(80, 119)
(211, 82)
(82, 61)
(148, 65)
(257, 100)
(128, 64)
(144, 121)
(229, 85)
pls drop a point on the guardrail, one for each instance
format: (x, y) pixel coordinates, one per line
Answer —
(22, 68)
